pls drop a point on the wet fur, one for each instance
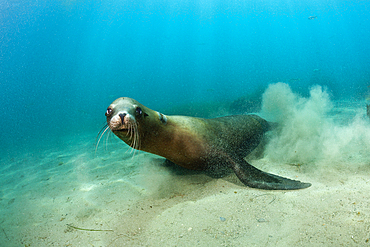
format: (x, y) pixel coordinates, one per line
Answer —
(196, 143)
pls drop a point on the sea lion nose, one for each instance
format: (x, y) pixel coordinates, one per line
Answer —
(122, 116)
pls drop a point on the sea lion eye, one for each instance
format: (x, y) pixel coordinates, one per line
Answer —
(139, 111)
(108, 112)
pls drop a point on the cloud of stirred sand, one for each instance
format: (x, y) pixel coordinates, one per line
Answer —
(307, 134)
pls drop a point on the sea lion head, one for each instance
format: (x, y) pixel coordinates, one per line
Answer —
(123, 113)
(129, 120)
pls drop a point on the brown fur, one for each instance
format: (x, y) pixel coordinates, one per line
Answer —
(196, 143)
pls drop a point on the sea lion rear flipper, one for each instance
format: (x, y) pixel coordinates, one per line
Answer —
(255, 178)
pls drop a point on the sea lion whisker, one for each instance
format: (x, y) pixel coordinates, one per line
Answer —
(101, 130)
(138, 146)
(137, 138)
(128, 149)
(105, 130)
(107, 138)
(133, 141)
(131, 131)
(135, 144)
(104, 126)
(134, 126)
(131, 134)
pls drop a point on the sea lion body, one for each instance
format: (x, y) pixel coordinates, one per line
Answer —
(196, 143)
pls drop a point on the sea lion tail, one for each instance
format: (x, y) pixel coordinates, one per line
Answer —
(255, 178)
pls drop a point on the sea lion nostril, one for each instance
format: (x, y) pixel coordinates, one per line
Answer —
(122, 116)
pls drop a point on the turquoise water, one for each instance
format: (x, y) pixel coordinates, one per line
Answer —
(63, 62)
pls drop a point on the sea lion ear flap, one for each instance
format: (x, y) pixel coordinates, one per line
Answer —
(145, 115)
(162, 118)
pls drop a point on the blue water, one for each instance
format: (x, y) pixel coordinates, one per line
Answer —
(63, 62)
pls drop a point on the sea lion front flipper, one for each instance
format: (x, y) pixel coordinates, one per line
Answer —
(255, 178)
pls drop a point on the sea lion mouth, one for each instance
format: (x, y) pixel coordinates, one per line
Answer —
(120, 130)
(128, 133)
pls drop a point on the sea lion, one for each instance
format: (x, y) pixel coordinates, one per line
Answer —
(196, 143)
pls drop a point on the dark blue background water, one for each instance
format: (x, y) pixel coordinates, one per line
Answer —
(63, 62)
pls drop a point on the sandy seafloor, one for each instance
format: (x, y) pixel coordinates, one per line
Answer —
(120, 198)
